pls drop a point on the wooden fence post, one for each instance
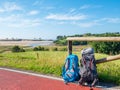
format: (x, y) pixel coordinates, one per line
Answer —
(69, 47)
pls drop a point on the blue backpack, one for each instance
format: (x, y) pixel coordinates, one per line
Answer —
(70, 71)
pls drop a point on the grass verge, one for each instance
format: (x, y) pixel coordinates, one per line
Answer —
(51, 62)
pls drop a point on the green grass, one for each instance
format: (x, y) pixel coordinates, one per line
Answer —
(47, 62)
(109, 71)
(51, 62)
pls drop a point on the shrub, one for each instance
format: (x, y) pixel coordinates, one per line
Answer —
(17, 49)
(111, 48)
(35, 49)
(40, 49)
(46, 49)
(22, 50)
(55, 49)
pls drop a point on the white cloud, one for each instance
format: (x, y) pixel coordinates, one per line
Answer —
(90, 6)
(34, 12)
(97, 22)
(108, 20)
(72, 10)
(10, 6)
(25, 23)
(85, 6)
(66, 17)
(75, 18)
(19, 21)
(88, 24)
(38, 2)
(1, 10)
(112, 20)
(49, 7)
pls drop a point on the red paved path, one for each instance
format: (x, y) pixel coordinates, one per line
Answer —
(17, 81)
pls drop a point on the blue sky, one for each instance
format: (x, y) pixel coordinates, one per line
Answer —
(47, 19)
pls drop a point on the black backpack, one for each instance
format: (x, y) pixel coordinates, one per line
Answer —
(88, 69)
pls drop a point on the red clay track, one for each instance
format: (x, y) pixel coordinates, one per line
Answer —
(17, 81)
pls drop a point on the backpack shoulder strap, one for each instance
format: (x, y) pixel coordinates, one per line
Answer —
(67, 64)
(91, 63)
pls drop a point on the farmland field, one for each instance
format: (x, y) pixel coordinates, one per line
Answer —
(51, 62)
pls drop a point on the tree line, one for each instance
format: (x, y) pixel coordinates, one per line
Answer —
(110, 48)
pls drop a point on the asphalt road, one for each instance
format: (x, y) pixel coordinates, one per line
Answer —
(15, 80)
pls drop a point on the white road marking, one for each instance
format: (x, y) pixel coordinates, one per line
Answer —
(34, 74)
